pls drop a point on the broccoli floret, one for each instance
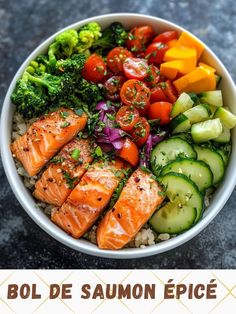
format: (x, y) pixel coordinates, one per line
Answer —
(62, 47)
(73, 64)
(114, 35)
(87, 35)
(30, 100)
(90, 93)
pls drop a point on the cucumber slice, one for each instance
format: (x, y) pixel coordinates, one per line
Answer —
(169, 150)
(196, 170)
(180, 124)
(213, 110)
(185, 206)
(207, 130)
(224, 137)
(227, 118)
(173, 219)
(224, 155)
(198, 113)
(214, 161)
(218, 79)
(213, 98)
(183, 103)
(194, 98)
(185, 136)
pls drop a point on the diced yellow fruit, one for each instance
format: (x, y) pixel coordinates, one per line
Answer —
(202, 64)
(188, 40)
(170, 69)
(173, 43)
(199, 80)
(180, 53)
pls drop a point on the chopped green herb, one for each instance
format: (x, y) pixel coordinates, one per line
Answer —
(64, 114)
(69, 181)
(110, 116)
(75, 154)
(98, 151)
(79, 112)
(65, 124)
(57, 160)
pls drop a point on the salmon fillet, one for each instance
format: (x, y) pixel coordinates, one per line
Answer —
(64, 172)
(136, 204)
(89, 198)
(45, 137)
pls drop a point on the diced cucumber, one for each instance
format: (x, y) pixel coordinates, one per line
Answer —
(180, 124)
(213, 98)
(173, 219)
(227, 118)
(213, 110)
(185, 206)
(183, 103)
(198, 113)
(218, 79)
(207, 130)
(194, 98)
(169, 150)
(224, 137)
(214, 161)
(196, 170)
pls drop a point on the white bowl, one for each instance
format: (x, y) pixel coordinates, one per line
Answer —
(25, 198)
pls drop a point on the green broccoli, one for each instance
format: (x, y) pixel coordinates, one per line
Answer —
(62, 47)
(114, 35)
(73, 64)
(87, 35)
(90, 93)
(30, 100)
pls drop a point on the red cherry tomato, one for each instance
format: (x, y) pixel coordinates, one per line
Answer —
(112, 87)
(153, 76)
(135, 93)
(155, 52)
(94, 68)
(116, 58)
(127, 117)
(135, 68)
(169, 90)
(129, 152)
(157, 94)
(139, 38)
(160, 110)
(141, 131)
(165, 37)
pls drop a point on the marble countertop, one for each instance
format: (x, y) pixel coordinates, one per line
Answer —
(23, 26)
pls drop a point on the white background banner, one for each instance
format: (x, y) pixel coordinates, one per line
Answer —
(118, 291)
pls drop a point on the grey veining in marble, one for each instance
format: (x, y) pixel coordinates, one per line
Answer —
(26, 23)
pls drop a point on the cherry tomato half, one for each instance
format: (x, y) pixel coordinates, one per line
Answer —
(135, 68)
(129, 152)
(165, 37)
(135, 93)
(169, 90)
(141, 131)
(127, 117)
(112, 87)
(155, 52)
(116, 58)
(157, 94)
(160, 110)
(139, 38)
(94, 69)
(153, 76)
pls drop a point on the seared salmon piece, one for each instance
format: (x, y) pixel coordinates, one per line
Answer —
(64, 172)
(45, 137)
(89, 198)
(137, 202)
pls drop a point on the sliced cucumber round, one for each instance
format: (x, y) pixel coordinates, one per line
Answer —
(180, 124)
(185, 206)
(168, 150)
(184, 136)
(196, 170)
(214, 161)
(173, 219)
(207, 130)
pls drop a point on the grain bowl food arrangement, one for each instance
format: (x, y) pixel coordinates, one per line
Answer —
(121, 135)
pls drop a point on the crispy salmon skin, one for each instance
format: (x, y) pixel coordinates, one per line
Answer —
(89, 198)
(137, 202)
(64, 172)
(45, 137)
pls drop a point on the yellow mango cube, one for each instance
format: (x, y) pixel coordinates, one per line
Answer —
(188, 40)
